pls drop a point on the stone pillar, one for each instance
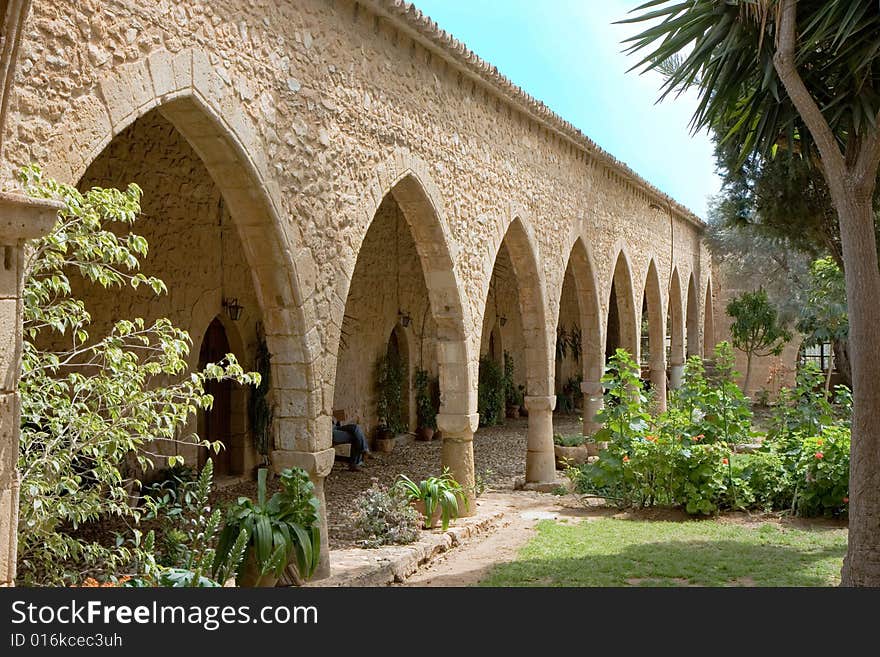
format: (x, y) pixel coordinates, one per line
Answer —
(593, 403)
(676, 373)
(21, 218)
(540, 460)
(458, 453)
(658, 381)
(318, 466)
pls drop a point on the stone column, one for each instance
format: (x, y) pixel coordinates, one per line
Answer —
(593, 403)
(540, 460)
(458, 453)
(658, 380)
(21, 218)
(676, 373)
(318, 466)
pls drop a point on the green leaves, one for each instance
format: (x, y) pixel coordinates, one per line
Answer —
(279, 528)
(725, 50)
(96, 411)
(756, 329)
(443, 492)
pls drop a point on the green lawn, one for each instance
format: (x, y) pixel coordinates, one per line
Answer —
(610, 552)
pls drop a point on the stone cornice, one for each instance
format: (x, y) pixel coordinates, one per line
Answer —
(411, 21)
(23, 217)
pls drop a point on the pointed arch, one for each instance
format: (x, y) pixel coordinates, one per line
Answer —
(675, 316)
(530, 289)
(587, 290)
(653, 300)
(709, 322)
(692, 344)
(623, 300)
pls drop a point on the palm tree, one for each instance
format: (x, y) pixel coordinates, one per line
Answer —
(801, 76)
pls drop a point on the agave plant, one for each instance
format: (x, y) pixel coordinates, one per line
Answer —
(443, 492)
(282, 528)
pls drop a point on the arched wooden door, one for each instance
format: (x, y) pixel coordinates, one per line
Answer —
(216, 423)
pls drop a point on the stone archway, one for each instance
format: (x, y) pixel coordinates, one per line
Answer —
(581, 271)
(709, 322)
(622, 311)
(675, 319)
(410, 212)
(653, 302)
(186, 90)
(692, 343)
(518, 247)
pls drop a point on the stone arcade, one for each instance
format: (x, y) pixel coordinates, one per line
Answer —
(336, 166)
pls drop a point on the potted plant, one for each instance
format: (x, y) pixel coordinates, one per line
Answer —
(570, 450)
(425, 411)
(513, 394)
(283, 531)
(389, 402)
(436, 498)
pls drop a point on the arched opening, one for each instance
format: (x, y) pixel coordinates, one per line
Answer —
(692, 344)
(515, 293)
(184, 213)
(403, 280)
(225, 421)
(569, 373)
(622, 330)
(675, 323)
(709, 323)
(387, 318)
(655, 338)
(579, 307)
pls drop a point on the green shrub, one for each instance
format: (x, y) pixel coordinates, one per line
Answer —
(764, 475)
(824, 466)
(490, 393)
(569, 441)
(384, 516)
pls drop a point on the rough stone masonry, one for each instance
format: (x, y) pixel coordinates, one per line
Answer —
(361, 183)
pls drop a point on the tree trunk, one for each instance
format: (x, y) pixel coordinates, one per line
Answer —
(745, 388)
(842, 362)
(862, 564)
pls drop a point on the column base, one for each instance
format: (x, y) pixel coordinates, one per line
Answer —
(318, 466)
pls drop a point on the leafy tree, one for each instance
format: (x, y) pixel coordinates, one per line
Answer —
(824, 317)
(755, 330)
(801, 75)
(95, 410)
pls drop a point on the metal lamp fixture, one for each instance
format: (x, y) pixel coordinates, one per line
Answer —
(405, 319)
(502, 320)
(233, 308)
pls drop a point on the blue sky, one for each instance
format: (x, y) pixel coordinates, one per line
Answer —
(567, 54)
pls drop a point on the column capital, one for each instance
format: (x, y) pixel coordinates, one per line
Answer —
(592, 388)
(452, 424)
(540, 402)
(24, 218)
(317, 464)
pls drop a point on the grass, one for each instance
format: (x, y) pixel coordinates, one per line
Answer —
(612, 552)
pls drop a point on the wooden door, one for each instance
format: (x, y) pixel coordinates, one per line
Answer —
(216, 422)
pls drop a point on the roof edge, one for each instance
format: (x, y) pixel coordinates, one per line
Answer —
(407, 17)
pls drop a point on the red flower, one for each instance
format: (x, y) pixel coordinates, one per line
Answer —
(651, 439)
(725, 461)
(698, 437)
(819, 455)
(820, 441)
(846, 500)
(625, 459)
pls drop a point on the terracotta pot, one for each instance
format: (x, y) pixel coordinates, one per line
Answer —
(424, 433)
(419, 506)
(570, 455)
(513, 411)
(384, 445)
(592, 449)
(250, 574)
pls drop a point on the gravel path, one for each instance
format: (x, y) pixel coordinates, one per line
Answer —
(499, 456)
